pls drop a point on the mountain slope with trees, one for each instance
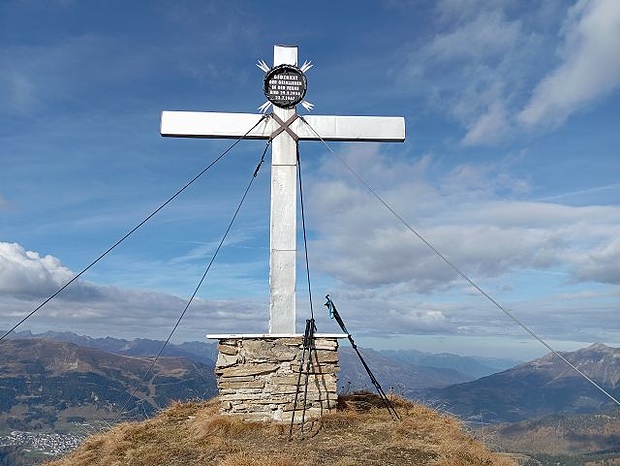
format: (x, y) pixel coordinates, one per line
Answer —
(45, 383)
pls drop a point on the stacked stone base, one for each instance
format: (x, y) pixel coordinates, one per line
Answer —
(259, 377)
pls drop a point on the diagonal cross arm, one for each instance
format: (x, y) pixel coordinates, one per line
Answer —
(284, 126)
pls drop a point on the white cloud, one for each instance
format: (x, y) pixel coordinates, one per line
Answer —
(459, 10)
(467, 69)
(27, 273)
(490, 126)
(477, 63)
(590, 67)
(481, 65)
(464, 217)
(602, 264)
(27, 278)
(19, 92)
(487, 35)
(383, 279)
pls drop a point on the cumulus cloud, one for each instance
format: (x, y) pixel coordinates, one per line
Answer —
(27, 278)
(383, 278)
(527, 254)
(602, 264)
(26, 273)
(465, 218)
(589, 68)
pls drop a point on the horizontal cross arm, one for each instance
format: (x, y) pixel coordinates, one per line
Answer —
(310, 127)
(214, 125)
(351, 128)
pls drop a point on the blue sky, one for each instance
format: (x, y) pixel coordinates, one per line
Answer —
(510, 168)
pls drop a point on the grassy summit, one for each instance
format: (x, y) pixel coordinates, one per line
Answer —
(360, 432)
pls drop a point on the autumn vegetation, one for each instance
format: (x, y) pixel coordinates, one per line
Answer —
(361, 431)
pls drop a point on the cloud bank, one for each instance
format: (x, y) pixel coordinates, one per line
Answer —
(379, 272)
(383, 268)
(27, 278)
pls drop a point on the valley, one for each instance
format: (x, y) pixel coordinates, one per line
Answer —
(56, 389)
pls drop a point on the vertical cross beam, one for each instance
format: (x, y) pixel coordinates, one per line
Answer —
(283, 218)
(284, 129)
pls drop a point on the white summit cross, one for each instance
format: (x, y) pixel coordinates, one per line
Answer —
(285, 87)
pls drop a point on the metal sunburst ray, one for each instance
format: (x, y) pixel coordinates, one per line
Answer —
(265, 107)
(263, 66)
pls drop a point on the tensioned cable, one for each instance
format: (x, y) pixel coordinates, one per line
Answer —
(200, 282)
(303, 227)
(458, 271)
(130, 232)
(308, 339)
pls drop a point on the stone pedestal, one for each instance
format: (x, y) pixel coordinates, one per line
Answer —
(259, 376)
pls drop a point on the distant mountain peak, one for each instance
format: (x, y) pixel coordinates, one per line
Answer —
(598, 346)
(543, 386)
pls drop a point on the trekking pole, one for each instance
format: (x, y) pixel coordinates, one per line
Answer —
(304, 367)
(333, 313)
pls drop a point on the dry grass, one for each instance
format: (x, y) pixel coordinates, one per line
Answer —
(361, 432)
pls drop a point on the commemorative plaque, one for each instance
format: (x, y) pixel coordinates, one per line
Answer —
(285, 86)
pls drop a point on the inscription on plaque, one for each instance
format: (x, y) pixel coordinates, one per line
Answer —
(285, 86)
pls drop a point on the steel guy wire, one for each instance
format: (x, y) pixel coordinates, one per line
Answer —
(450, 264)
(200, 282)
(130, 232)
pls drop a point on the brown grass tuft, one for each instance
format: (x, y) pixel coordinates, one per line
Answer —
(360, 432)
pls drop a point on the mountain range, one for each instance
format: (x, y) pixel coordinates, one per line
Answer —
(531, 389)
(52, 377)
(203, 352)
(406, 379)
(468, 368)
(540, 387)
(46, 383)
(473, 367)
(57, 381)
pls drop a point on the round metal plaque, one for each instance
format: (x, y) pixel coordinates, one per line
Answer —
(285, 86)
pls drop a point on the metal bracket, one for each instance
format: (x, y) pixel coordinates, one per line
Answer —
(284, 126)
